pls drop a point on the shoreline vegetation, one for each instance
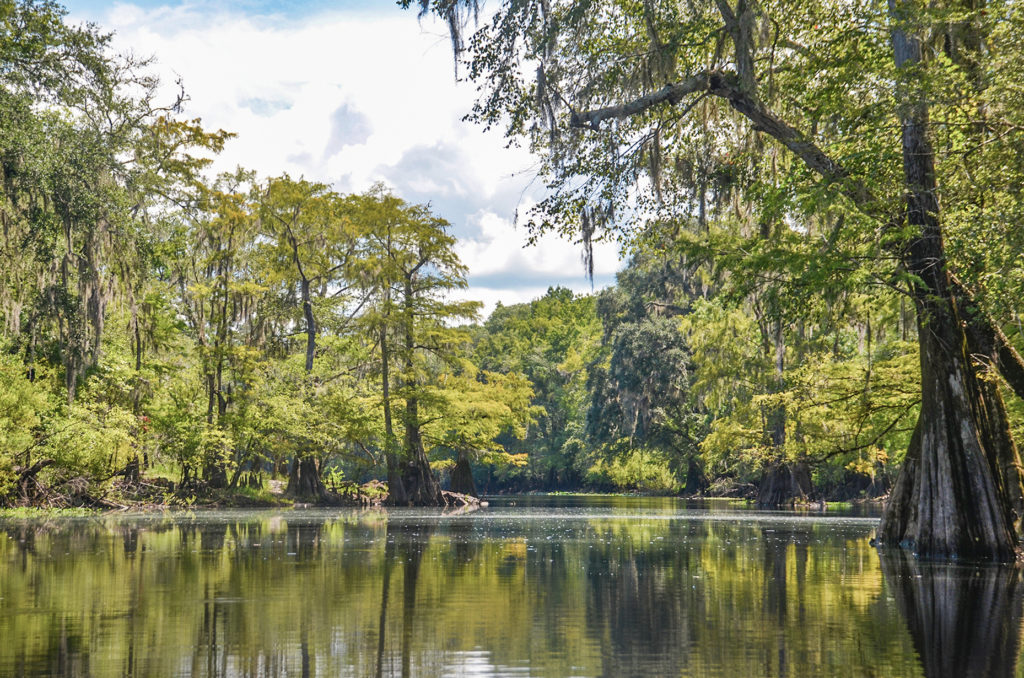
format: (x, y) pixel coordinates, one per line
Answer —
(157, 497)
(158, 494)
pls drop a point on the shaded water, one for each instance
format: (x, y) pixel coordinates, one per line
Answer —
(530, 586)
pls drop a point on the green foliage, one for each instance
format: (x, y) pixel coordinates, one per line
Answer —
(23, 408)
(640, 385)
(637, 469)
(753, 141)
(549, 341)
(470, 409)
(216, 330)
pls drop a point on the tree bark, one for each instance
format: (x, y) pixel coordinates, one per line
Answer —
(696, 479)
(462, 477)
(987, 343)
(783, 483)
(420, 484)
(958, 504)
(304, 480)
(307, 312)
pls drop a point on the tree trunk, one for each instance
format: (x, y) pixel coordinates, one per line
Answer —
(213, 470)
(949, 502)
(132, 470)
(421, 486)
(215, 475)
(462, 477)
(783, 483)
(696, 479)
(304, 480)
(307, 312)
(396, 490)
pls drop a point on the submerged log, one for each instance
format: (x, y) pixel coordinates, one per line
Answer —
(457, 500)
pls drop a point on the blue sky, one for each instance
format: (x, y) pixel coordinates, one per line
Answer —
(351, 93)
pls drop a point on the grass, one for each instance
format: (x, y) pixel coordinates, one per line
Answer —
(36, 512)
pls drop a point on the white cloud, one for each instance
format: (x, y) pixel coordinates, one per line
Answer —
(498, 248)
(351, 98)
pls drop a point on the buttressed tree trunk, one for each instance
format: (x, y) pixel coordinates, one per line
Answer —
(462, 476)
(950, 500)
(956, 493)
(304, 479)
(421, 486)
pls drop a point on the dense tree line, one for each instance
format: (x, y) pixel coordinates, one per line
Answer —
(167, 330)
(667, 382)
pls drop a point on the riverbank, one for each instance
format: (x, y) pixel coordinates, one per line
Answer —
(159, 494)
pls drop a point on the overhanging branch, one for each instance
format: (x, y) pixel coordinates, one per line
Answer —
(726, 85)
(673, 94)
(982, 331)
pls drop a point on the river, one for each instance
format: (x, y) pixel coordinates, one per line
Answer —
(529, 586)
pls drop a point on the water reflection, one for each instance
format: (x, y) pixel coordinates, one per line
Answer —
(404, 547)
(525, 590)
(965, 621)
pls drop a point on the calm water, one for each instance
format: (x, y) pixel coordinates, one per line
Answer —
(527, 587)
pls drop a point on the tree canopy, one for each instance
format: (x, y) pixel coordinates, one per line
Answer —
(797, 152)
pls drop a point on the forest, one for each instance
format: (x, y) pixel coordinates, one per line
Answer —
(820, 207)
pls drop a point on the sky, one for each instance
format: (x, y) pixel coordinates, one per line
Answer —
(349, 93)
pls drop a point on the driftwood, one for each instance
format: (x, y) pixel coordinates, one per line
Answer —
(458, 500)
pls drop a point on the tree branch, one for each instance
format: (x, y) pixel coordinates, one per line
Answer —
(673, 94)
(726, 85)
(984, 334)
(986, 340)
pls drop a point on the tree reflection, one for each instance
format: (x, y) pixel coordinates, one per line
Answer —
(964, 621)
(369, 593)
(405, 544)
(776, 591)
